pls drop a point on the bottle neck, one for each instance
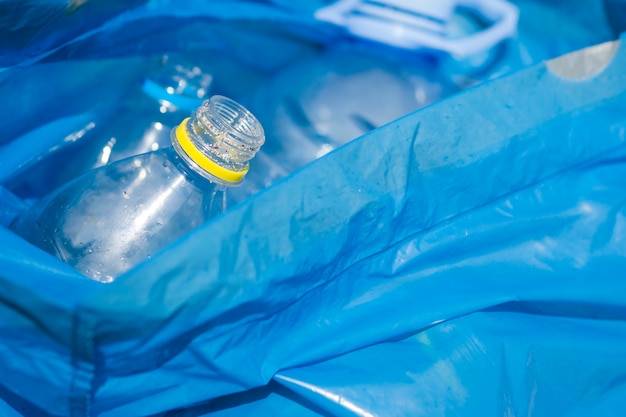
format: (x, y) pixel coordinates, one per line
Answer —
(177, 85)
(219, 140)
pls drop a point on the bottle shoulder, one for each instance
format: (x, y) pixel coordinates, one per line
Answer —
(149, 173)
(116, 216)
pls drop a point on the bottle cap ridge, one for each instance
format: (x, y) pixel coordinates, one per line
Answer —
(186, 144)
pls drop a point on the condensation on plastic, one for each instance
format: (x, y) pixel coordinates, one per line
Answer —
(479, 242)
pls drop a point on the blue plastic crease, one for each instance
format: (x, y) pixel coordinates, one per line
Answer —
(466, 259)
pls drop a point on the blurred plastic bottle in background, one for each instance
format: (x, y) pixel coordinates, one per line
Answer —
(325, 100)
(114, 217)
(466, 34)
(171, 90)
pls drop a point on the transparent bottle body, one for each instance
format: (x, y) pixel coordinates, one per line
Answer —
(112, 218)
(170, 92)
(326, 100)
(141, 125)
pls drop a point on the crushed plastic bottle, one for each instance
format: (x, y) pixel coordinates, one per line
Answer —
(325, 100)
(417, 52)
(114, 217)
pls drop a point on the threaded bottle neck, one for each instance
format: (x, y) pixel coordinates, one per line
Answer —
(219, 140)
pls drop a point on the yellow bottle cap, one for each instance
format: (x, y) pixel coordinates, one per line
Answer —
(204, 162)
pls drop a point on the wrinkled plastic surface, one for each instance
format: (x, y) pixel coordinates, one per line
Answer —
(465, 259)
(616, 12)
(51, 108)
(326, 99)
(55, 22)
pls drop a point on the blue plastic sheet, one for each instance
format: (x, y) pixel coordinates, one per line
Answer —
(466, 259)
(616, 13)
(32, 27)
(521, 362)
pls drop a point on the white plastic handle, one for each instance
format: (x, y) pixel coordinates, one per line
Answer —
(419, 24)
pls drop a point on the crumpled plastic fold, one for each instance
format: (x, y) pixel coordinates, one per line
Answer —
(466, 258)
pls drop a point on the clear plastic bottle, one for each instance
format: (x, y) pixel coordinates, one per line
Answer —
(114, 217)
(325, 100)
(171, 91)
(328, 99)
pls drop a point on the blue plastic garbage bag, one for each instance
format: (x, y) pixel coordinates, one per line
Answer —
(32, 27)
(616, 12)
(465, 259)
